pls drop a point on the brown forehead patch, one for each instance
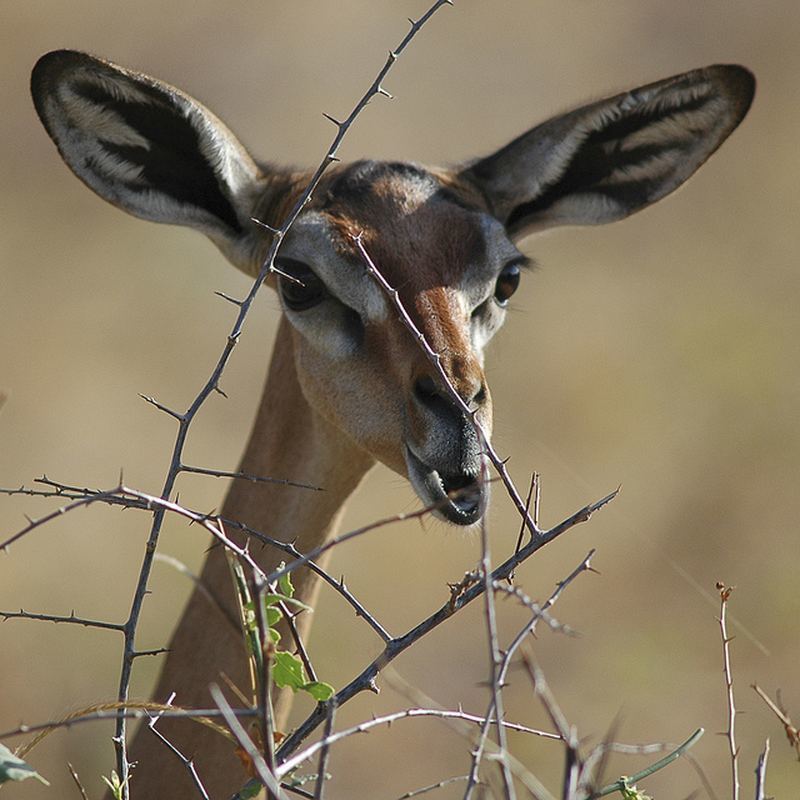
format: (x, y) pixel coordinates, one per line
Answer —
(420, 227)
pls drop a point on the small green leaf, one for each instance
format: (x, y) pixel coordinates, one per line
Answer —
(319, 690)
(629, 792)
(274, 636)
(15, 769)
(249, 615)
(285, 584)
(287, 670)
(273, 598)
(274, 616)
(115, 784)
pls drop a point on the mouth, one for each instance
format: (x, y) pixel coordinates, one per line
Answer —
(459, 497)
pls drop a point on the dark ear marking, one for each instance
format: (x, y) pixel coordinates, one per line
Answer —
(144, 145)
(609, 159)
(172, 159)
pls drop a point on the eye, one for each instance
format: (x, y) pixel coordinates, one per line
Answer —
(302, 289)
(507, 284)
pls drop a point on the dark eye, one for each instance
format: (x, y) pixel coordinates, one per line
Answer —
(302, 289)
(506, 284)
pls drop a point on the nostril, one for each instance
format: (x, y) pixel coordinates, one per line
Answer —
(480, 397)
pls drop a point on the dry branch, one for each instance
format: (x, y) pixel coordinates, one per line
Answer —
(777, 709)
(730, 734)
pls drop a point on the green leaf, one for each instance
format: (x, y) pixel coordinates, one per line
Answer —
(15, 769)
(249, 615)
(285, 584)
(629, 792)
(115, 784)
(273, 598)
(287, 670)
(319, 690)
(274, 636)
(274, 616)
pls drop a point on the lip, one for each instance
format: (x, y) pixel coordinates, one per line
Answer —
(459, 498)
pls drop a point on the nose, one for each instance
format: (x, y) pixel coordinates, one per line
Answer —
(431, 394)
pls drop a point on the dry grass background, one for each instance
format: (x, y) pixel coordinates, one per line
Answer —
(661, 353)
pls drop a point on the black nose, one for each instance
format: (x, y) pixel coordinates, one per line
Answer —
(428, 393)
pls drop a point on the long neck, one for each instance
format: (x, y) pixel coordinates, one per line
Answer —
(289, 440)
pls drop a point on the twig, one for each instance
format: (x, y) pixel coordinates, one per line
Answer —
(791, 732)
(573, 761)
(110, 711)
(302, 651)
(245, 476)
(322, 767)
(88, 623)
(724, 594)
(495, 659)
(264, 773)
(156, 651)
(77, 781)
(533, 487)
(433, 786)
(37, 523)
(161, 407)
(409, 713)
(761, 773)
(67, 492)
(187, 762)
(619, 785)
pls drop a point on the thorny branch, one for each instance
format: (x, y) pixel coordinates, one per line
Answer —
(212, 384)
(87, 623)
(724, 594)
(470, 413)
(410, 713)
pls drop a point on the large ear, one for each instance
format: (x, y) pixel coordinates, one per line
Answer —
(606, 160)
(147, 147)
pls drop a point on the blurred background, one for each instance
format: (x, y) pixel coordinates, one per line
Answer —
(660, 353)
